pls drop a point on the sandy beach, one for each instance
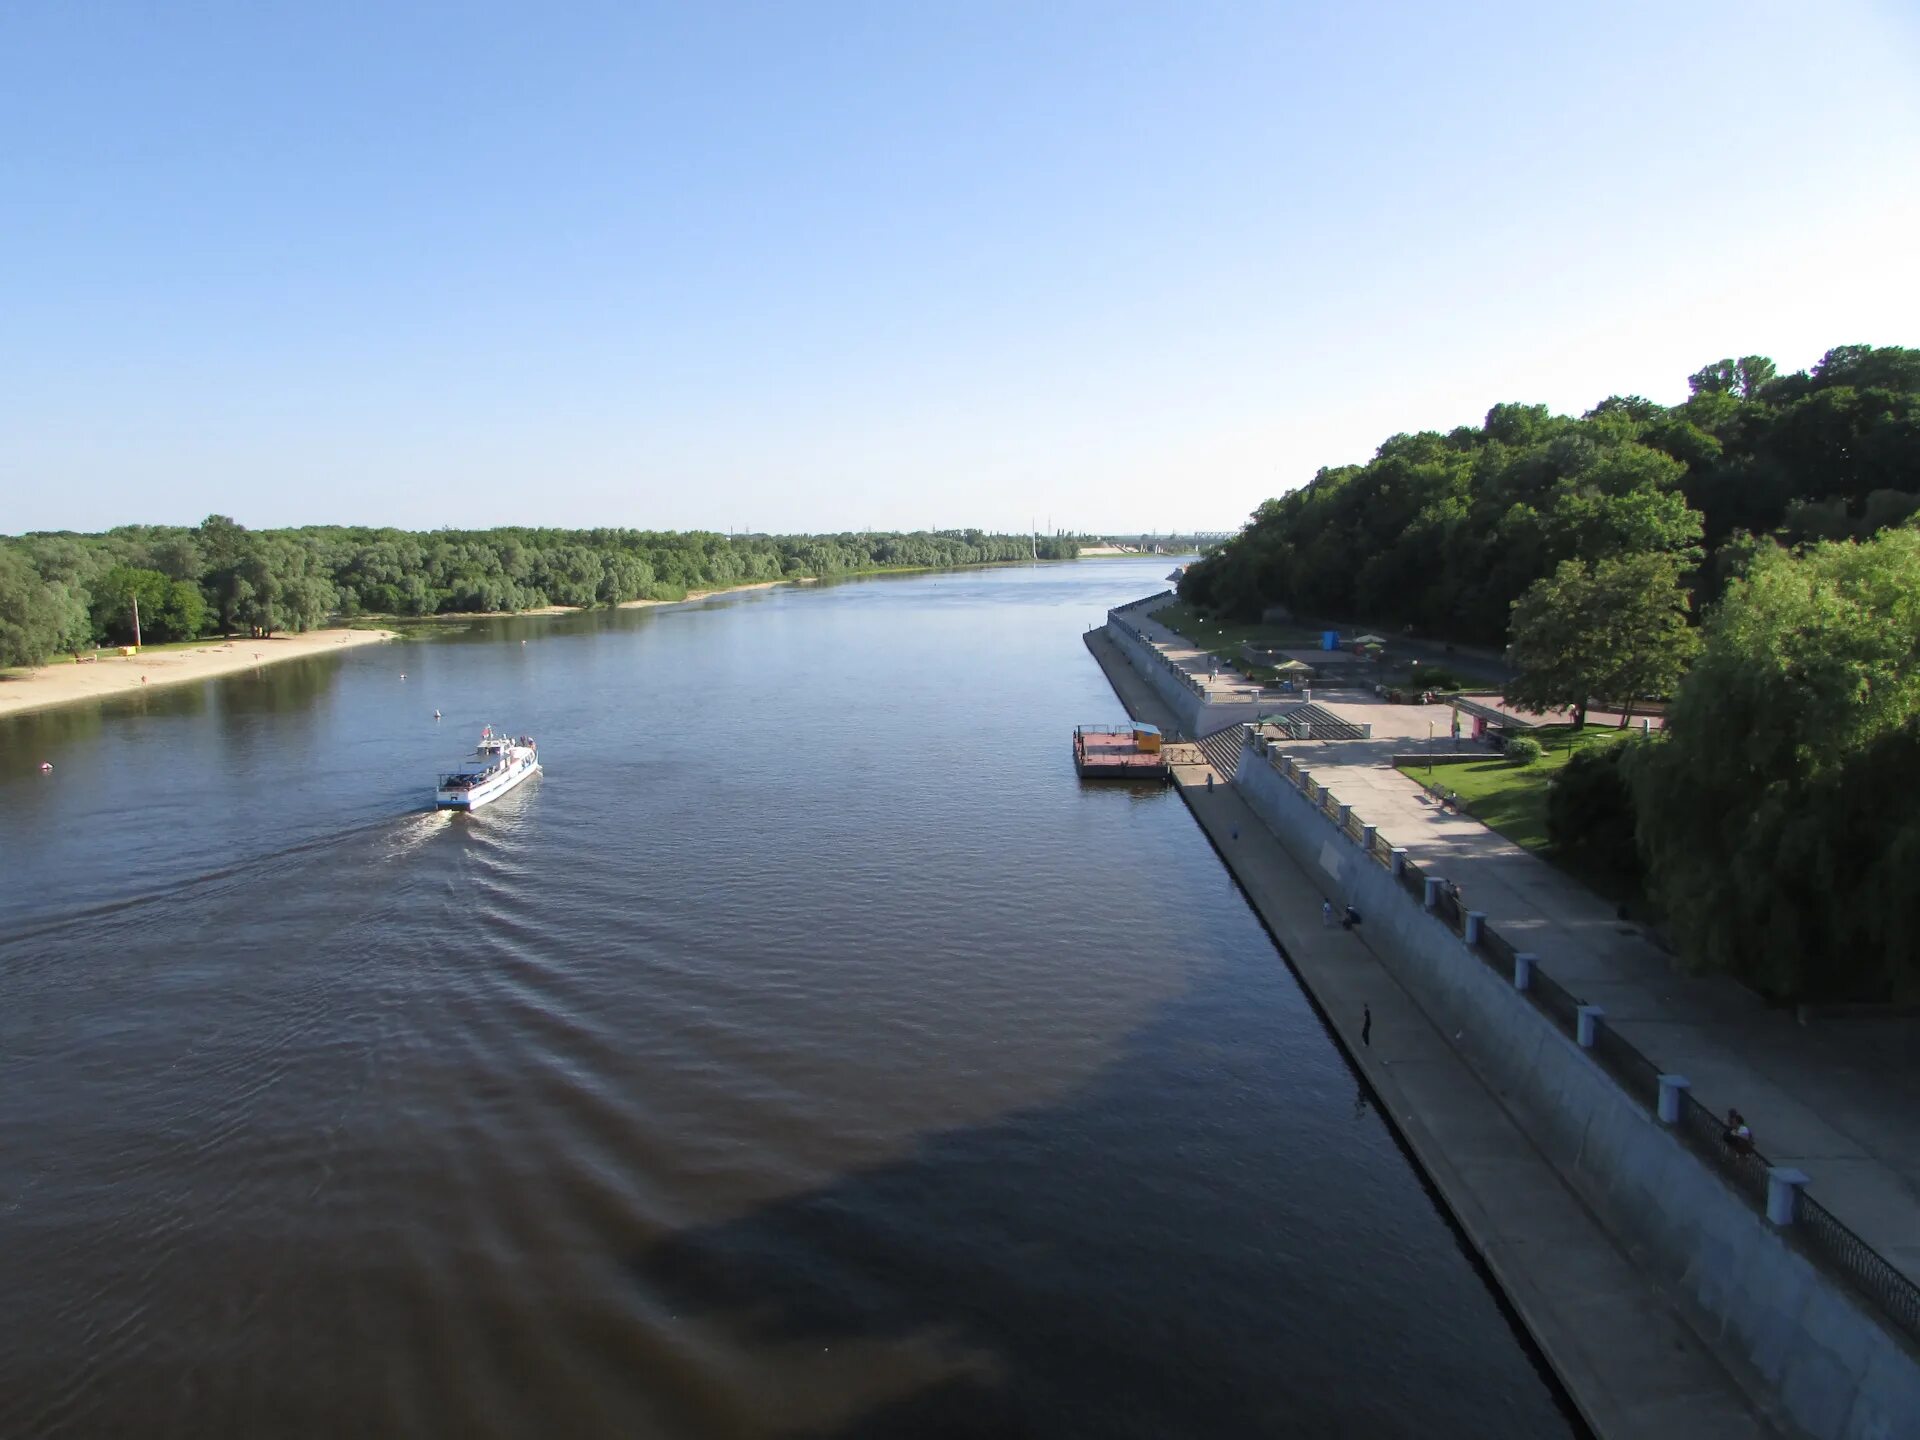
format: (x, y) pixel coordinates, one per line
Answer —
(723, 590)
(115, 674)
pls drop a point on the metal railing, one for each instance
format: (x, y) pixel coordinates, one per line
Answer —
(1816, 1231)
(1200, 688)
(1866, 1267)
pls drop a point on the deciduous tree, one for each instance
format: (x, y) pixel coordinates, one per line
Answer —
(1775, 814)
(37, 616)
(1615, 631)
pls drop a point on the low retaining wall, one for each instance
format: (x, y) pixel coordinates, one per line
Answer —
(1199, 717)
(1767, 1308)
(1153, 668)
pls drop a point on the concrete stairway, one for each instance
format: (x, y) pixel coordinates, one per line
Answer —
(1222, 749)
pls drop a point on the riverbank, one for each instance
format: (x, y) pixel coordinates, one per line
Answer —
(692, 595)
(115, 674)
(1630, 1364)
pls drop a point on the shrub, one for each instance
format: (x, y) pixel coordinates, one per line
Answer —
(1523, 750)
(1590, 810)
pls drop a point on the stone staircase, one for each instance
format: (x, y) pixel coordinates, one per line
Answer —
(1222, 750)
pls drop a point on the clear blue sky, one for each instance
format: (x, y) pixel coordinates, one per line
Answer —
(796, 266)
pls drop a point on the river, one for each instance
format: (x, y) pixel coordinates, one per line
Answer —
(807, 1052)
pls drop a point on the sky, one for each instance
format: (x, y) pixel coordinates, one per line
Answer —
(819, 267)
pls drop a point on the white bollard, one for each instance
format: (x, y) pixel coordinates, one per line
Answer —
(1672, 1087)
(1588, 1024)
(1784, 1185)
(1523, 964)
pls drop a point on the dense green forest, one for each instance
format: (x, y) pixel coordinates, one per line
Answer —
(1752, 553)
(1444, 532)
(61, 591)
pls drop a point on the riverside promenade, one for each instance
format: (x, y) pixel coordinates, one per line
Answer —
(1838, 1098)
(1216, 682)
(1629, 1362)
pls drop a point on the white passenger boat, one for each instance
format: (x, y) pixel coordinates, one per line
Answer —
(499, 763)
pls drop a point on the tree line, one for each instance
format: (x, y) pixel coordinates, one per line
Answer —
(1751, 554)
(63, 592)
(1444, 532)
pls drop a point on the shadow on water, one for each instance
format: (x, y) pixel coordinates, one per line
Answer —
(1135, 790)
(1189, 1246)
(288, 687)
(26, 739)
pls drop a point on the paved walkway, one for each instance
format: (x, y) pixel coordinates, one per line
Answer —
(1838, 1098)
(1624, 1354)
(1208, 667)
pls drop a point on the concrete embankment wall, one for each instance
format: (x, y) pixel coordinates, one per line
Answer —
(1770, 1312)
(1198, 718)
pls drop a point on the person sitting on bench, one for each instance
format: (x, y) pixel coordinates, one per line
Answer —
(1738, 1136)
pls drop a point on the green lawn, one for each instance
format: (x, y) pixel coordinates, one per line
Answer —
(1512, 799)
(1226, 636)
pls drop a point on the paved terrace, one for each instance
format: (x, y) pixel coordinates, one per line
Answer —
(1836, 1097)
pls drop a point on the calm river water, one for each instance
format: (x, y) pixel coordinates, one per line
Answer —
(806, 1053)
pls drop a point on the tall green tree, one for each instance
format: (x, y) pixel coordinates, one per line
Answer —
(1743, 377)
(1614, 631)
(169, 609)
(38, 617)
(223, 544)
(1776, 815)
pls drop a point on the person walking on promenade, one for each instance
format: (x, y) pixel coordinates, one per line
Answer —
(1366, 1026)
(1326, 914)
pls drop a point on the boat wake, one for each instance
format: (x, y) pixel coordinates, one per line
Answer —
(416, 830)
(395, 837)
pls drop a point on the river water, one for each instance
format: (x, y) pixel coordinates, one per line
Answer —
(806, 1053)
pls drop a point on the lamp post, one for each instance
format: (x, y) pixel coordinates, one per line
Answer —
(1429, 747)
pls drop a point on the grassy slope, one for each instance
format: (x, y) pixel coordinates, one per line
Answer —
(1226, 636)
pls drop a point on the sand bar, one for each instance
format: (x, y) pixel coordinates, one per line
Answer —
(116, 674)
(723, 590)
